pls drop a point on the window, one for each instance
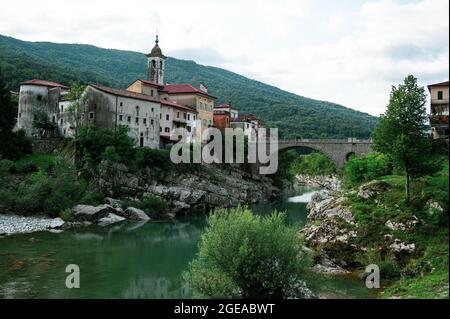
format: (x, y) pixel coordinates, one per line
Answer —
(440, 95)
(160, 116)
(188, 128)
(145, 121)
(129, 119)
(178, 115)
(120, 118)
(152, 122)
(137, 110)
(61, 122)
(160, 129)
(167, 117)
(62, 108)
(53, 118)
(189, 117)
(137, 120)
(151, 93)
(91, 115)
(121, 103)
(153, 110)
(39, 97)
(184, 115)
(20, 115)
(194, 117)
(167, 130)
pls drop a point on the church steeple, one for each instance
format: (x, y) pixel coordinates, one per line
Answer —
(156, 64)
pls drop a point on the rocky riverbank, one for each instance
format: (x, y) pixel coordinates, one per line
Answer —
(335, 234)
(186, 193)
(212, 186)
(13, 224)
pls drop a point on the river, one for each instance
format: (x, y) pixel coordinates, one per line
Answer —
(131, 261)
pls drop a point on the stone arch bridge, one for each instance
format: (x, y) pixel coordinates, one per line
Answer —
(339, 151)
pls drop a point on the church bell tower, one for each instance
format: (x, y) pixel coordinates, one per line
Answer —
(156, 64)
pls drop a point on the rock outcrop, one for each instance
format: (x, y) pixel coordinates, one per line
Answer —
(213, 186)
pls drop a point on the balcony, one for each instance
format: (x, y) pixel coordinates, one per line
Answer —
(439, 102)
(180, 120)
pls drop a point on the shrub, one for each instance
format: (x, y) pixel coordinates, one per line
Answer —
(6, 167)
(29, 168)
(242, 255)
(51, 194)
(366, 168)
(67, 215)
(93, 142)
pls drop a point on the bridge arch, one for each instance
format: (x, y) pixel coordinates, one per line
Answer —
(336, 150)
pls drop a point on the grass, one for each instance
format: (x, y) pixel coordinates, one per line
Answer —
(42, 161)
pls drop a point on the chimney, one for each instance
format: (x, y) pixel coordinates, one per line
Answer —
(203, 87)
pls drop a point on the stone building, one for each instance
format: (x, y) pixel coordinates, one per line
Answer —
(110, 108)
(39, 97)
(439, 93)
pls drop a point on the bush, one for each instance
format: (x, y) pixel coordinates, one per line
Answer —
(242, 255)
(67, 215)
(51, 194)
(14, 145)
(29, 168)
(7, 167)
(147, 157)
(93, 142)
(366, 168)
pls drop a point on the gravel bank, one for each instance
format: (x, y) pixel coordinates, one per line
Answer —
(13, 224)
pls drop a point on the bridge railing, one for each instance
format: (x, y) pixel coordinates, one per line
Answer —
(304, 140)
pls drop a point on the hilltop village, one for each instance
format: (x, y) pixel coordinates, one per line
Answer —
(151, 108)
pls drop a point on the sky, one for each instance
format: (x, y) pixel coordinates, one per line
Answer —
(349, 52)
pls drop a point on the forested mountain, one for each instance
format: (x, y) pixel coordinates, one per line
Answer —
(294, 115)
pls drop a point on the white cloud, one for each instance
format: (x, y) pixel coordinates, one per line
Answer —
(350, 53)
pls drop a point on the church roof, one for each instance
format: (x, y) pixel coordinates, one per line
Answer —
(156, 51)
(185, 89)
(45, 83)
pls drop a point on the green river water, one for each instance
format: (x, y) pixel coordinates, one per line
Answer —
(130, 260)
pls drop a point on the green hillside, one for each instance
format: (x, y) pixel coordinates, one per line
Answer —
(292, 114)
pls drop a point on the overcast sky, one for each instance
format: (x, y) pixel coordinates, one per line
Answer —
(346, 51)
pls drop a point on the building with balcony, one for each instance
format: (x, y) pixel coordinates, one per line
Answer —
(439, 110)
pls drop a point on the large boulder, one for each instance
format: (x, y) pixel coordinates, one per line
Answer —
(132, 213)
(57, 223)
(110, 219)
(372, 189)
(91, 213)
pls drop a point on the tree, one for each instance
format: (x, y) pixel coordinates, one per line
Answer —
(401, 133)
(12, 144)
(43, 123)
(246, 256)
(76, 95)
